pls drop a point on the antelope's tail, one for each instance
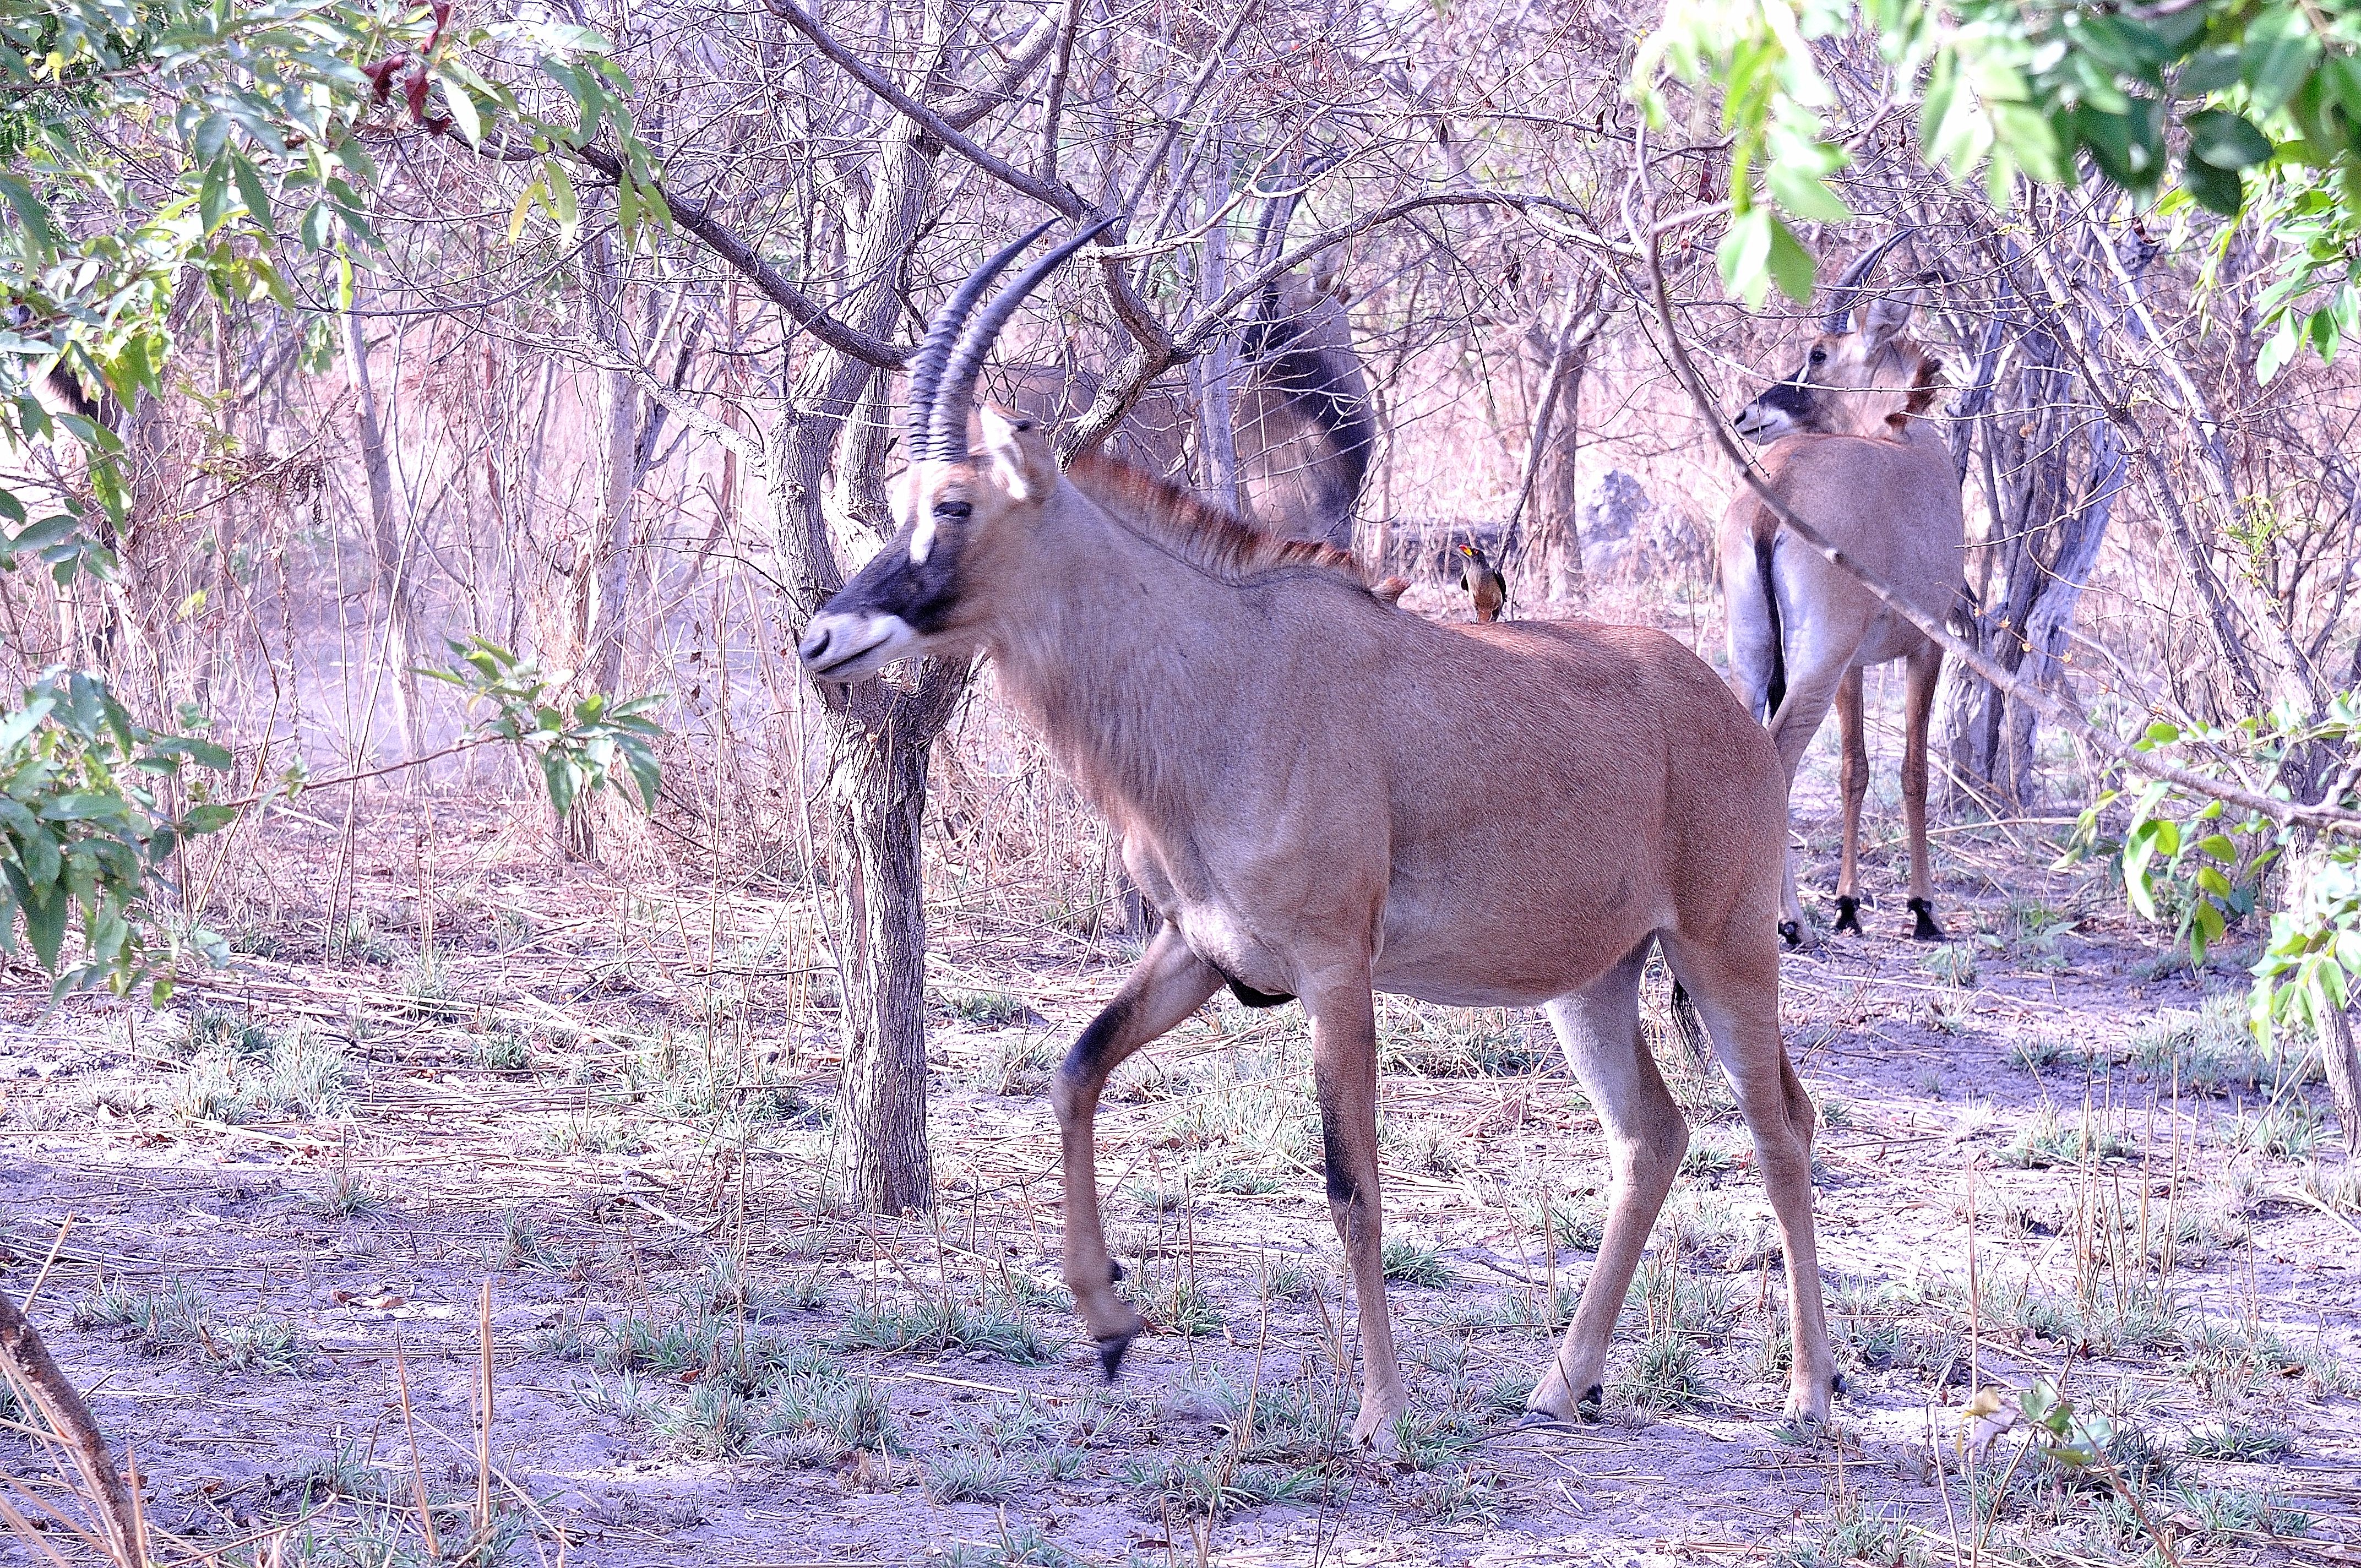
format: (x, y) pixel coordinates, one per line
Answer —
(1689, 1025)
(1775, 691)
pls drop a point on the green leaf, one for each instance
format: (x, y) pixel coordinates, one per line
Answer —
(45, 927)
(2216, 189)
(1791, 264)
(2226, 140)
(463, 111)
(1805, 195)
(251, 191)
(32, 213)
(2276, 60)
(2210, 72)
(1744, 254)
(213, 195)
(2129, 147)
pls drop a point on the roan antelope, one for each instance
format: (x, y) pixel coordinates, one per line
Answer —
(1285, 755)
(1847, 447)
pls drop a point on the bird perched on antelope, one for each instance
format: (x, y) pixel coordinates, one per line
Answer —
(1486, 588)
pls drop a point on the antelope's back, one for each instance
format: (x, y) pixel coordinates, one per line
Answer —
(1894, 504)
(1591, 783)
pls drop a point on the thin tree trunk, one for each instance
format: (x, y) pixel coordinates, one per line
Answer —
(2343, 1062)
(32, 1369)
(880, 799)
(1216, 371)
(388, 542)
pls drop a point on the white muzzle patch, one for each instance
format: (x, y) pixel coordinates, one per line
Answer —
(847, 647)
(1759, 424)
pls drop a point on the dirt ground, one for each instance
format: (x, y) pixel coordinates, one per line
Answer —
(275, 1227)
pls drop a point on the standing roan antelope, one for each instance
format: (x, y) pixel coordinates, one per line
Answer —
(1847, 446)
(1286, 756)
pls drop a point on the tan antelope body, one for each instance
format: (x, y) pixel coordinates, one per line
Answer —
(1847, 448)
(1286, 757)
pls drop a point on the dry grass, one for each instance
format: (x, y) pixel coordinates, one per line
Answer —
(611, 1097)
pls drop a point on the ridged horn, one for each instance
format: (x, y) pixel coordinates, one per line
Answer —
(942, 335)
(1848, 288)
(956, 392)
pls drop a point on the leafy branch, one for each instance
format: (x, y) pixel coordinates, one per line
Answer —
(86, 821)
(84, 824)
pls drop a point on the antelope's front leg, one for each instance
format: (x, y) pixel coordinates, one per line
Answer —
(1169, 983)
(1345, 1077)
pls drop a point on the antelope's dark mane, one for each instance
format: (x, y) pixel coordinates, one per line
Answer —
(1925, 384)
(1199, 531)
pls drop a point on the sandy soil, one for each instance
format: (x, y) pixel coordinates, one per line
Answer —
(262, 1218)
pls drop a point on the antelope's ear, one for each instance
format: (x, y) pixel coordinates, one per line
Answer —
(1881, 320)
(1017, 458)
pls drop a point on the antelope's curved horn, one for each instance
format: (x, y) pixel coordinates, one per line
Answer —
(942, 333)
(956, 392)
(1847, 291)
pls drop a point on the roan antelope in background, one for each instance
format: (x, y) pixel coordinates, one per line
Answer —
(1847, 447)
(1288, 757)
(1301, 425)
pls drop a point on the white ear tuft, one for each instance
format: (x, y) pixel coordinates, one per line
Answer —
(1004, 455)
(1883, 320)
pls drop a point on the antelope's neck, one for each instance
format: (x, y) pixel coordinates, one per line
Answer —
(1117, 652)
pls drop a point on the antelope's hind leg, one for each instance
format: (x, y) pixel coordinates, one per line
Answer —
(1169, 983)
(1345, 1078)
(1856, 790)
(1926, 667)
(1646, 1135)
(1734, 983)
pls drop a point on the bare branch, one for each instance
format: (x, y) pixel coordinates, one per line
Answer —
(1057, 198)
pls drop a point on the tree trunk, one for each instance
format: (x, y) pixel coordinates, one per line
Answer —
(31, 1370)
(388, 541)
(880, 797)
(1557, 526)
(2343, 1061)
(1216, 371)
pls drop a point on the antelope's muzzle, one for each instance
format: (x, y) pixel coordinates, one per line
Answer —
(1783, 406)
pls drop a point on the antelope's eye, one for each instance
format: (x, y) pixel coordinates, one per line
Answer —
(1820, 356)
(952, 512)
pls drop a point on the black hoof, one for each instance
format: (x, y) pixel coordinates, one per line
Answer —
(1847, 914)
(1114, 1272)
(1926, 931)
(1836, 1384)
(1111, 1351)
(1592, 1400)
(1791, 933)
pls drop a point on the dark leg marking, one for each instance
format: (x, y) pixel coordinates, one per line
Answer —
(1341, 1189)
(1836, 1384)
(1593, 1399)
(1927, 930)
(1091, 1045)
(1114, 1272)
(1791, 933)
(1848, 913)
